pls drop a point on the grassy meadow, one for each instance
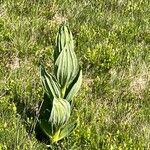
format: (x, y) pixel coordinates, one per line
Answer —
(112, 43)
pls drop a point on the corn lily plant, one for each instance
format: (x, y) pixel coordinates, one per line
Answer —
(60, 88)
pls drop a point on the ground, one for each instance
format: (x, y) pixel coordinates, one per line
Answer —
(112, 42)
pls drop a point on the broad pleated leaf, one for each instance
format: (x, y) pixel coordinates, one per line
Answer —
(74, 87)
(46, 127)
(50, 84)
(60, 42)
(64, 37)
(67, 129)
(66, 64)
(60, 112)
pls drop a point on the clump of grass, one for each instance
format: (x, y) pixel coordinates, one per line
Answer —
(13, 134)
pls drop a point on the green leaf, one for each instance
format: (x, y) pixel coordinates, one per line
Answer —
(66, 64)
(67, 129)
(55, 137)
(50, 84)
(46, 127)
(46, 107)
(60, 112)
(74, 87)
(64, 37)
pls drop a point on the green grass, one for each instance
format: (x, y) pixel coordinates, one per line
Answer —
(112, 40)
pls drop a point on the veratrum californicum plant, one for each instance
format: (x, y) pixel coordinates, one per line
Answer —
(60, 88)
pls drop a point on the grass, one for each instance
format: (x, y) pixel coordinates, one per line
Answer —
(112, 43)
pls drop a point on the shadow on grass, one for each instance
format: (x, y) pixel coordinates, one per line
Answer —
(30, 118)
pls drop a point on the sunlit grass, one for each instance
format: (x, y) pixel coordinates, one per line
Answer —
(112, 42)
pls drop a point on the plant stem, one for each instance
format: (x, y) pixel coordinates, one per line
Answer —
(63, 91)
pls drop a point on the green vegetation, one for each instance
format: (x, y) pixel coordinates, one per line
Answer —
(60, 88)
(112, 42)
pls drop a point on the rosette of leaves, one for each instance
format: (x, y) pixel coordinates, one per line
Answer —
(60, 88)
